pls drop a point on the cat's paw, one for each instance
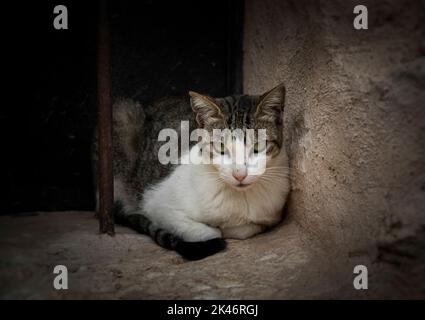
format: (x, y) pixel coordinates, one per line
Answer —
(200, 249)
(199, 232)
(243, 231)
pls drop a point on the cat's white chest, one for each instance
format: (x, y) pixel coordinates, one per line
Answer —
(226, 207)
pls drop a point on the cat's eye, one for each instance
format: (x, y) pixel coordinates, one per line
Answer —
(220, 147)
(258, 147)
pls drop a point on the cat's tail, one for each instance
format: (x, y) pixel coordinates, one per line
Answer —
(189, 250)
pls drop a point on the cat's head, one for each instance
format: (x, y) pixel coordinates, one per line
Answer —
(236, 114)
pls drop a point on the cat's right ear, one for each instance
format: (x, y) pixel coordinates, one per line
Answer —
(206, 110)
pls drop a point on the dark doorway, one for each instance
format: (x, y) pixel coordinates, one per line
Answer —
(159, 48)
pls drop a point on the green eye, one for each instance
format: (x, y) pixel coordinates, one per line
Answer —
(258, 148)
(220, 147)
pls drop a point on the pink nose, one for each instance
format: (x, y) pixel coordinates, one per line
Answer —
(239, 174)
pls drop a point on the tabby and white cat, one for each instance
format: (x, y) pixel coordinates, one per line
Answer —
(191, 208)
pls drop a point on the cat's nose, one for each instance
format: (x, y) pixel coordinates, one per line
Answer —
(239, 174)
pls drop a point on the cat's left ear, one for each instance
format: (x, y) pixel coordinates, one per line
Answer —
(271, 105)
(206, 110)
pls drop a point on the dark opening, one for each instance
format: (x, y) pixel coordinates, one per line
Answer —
(159, 48)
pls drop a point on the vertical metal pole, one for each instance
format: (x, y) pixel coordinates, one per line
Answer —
(235, 21)
(105, 179)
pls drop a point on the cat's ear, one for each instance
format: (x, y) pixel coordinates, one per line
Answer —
(271, 105)
(206, 110)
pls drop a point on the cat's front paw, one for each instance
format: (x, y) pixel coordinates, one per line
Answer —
(201, 232)
(243, 231)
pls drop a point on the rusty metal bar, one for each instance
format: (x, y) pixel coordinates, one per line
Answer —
(105, 179)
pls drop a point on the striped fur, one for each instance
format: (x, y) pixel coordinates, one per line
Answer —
(189, 250)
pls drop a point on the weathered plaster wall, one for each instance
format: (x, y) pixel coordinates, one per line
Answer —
(354, 126)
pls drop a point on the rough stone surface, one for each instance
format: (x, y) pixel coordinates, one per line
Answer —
(354, 126)
(281, 264)
(278, 264)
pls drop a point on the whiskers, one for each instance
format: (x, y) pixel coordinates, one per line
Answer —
(277, 172)
(207, 173)
(212, 176)
(271, 174)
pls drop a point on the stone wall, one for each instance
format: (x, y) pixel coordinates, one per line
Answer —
(354, 127)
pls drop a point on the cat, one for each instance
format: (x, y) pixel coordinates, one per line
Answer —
(193, 208)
